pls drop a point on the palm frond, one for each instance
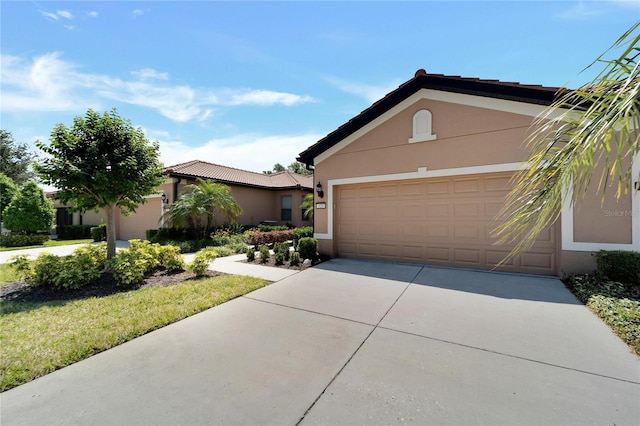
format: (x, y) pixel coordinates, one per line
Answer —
(596, 124)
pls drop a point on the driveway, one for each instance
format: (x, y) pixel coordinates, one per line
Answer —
(357, 342)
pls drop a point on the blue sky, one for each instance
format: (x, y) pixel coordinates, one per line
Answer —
(250, 84)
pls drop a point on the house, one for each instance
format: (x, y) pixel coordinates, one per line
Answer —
(420, 175)
(263, 197)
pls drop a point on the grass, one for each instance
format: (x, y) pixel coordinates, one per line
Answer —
(50, 243)
(38, 338)
(7, 274)
(616, 304)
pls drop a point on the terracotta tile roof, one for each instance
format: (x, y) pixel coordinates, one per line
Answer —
(230, 175)
(513, 91)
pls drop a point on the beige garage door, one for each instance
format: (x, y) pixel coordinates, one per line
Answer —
(442, 221)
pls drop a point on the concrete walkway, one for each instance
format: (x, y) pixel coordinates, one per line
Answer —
(356, 342)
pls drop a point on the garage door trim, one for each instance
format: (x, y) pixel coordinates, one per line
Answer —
(421, 173)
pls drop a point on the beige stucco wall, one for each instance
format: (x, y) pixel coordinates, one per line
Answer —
(147, 216)
(258, 204)
(467, 136)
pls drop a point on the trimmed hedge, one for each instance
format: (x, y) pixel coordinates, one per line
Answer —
(308, 248)
(261, 238)
(22, 240)
(99, 233)
(74, 232)
(298, 233)
(619, 265)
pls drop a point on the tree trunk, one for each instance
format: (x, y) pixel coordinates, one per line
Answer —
(111, 231)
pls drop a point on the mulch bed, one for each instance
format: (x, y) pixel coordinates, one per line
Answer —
(104, 286)
(272, 262)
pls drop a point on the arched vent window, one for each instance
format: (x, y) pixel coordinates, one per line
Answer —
(422, 130)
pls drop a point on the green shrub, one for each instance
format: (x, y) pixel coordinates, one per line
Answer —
(171, 258)
(74, 232)
(152, 235)
(279, 258)
(96, 252)
(62, 272)
(264, 254)
(22, 240)
(130, 265)
(619, 265)
(45, 269)
(251, 254)
(308, 248)
(238, 247)
(99, 233)
(29, 211)
(222, 251)
(76, 271)
(128, 268)
(298, 233)
(200, 263)
(294, 259)
(269, 228)
(282, 249)
(23, 266)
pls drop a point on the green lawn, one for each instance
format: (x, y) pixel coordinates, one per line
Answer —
(7, 274)
(38, 338)
(50, 243)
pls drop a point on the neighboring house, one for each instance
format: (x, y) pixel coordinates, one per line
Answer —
(275, 198)
(420, 175)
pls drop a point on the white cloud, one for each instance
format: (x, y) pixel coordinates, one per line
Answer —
(137, 12)
(266, 97)
(65, 14)
(52, 83)
(50, 15)
(244, 151)
(146, 73)
(44, 84)
(55, 16)
(369, 92)
(93, 14)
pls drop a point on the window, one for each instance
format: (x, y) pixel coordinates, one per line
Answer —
(285, 207)
(422, 126)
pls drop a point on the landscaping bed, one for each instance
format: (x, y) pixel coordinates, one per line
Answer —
(19, 291)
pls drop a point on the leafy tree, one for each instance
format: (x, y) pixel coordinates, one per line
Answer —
(598, 123)
(30, 211)
(101, 162)
(198, 205)
(307, 205)
(277, 168)
(15, 159)
(295, 167)
(8, 190)
(300, 168)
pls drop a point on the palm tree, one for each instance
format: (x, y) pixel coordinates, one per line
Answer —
(307, 205)
(198, 205)
(598, 123)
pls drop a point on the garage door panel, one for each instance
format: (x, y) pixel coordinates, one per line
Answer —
(437, 187)
(444, 221)
(412, 190)
(469, 232)
(495, 257)
(466, 186)
(468, 256)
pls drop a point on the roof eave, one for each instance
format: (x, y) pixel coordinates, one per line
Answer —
(520, 93)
